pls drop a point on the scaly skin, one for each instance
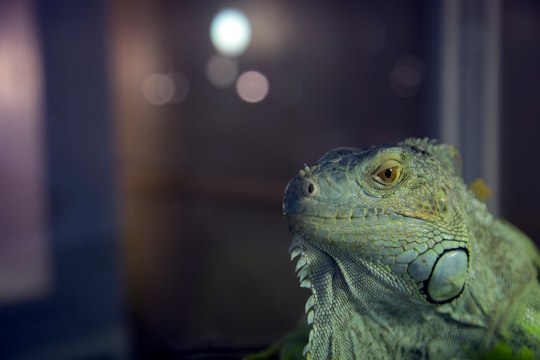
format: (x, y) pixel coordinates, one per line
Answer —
(405, 263)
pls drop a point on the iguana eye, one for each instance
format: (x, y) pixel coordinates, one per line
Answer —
(388, 173)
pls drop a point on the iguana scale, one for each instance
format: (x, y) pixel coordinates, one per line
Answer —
(404, 262)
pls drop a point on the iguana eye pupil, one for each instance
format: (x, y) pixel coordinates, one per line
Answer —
(389, 175)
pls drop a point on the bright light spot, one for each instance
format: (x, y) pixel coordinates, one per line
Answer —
(221, 71)
(252, 86)
(230, 32)
(158, 89)
(287, 90)
(406, 77)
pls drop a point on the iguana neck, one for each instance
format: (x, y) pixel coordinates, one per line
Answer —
(341, 329)
(328, 307)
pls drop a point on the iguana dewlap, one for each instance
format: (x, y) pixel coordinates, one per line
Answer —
(403, 261)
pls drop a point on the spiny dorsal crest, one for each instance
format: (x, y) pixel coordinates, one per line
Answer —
(447, 155)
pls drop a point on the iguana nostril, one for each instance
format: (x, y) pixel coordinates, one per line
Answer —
(309, 188)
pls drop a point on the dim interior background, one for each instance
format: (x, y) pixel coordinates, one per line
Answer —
(143, 161)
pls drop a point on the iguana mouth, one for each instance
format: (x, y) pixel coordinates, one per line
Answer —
(364, 218)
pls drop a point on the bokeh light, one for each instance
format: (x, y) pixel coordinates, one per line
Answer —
(221, 71)
(252, 86)
(406, 77)
(158, 89)
(230, 32)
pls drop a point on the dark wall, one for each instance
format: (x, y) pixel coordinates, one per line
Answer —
(80, 315)
(520, 115)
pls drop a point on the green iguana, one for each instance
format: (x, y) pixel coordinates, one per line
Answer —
(403, 261)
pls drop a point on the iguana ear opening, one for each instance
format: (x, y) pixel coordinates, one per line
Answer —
(448, 155)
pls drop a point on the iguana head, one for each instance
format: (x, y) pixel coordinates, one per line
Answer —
(404, 262)
(380, 225)
(393, 207)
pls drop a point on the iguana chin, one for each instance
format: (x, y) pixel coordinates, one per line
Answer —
(403, 262)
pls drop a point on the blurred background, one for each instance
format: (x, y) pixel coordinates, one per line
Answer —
(145, 146)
